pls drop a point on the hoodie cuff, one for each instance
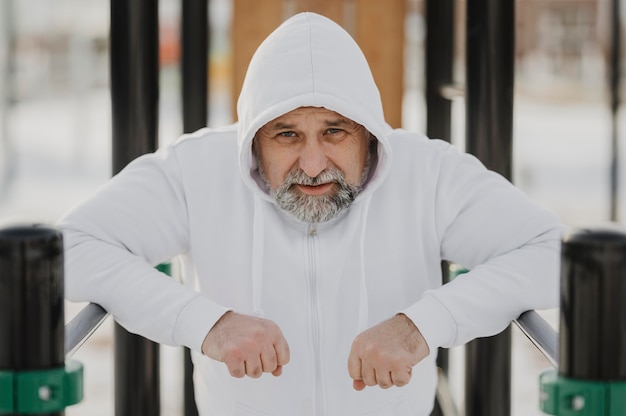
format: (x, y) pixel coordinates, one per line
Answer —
(195, 321)
(434, 321)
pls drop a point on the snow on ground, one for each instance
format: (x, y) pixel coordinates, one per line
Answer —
(61, 153)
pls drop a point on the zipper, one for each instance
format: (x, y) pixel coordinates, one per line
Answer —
(315, 320)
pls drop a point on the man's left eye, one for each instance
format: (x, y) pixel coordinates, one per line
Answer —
(333, 131)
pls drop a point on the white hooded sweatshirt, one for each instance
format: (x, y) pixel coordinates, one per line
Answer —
(201, 198)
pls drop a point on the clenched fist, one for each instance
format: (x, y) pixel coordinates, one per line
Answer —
(248, 345)
(385, 354)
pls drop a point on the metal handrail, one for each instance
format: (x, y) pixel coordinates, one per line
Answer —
(537, 329)
(541, 334)
(89, 319)
(82, 326)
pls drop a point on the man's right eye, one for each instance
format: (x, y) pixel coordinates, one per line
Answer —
(287, 134)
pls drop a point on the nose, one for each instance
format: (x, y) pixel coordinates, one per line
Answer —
(313, 159)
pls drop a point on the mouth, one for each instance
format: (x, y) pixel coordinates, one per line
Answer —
(315, 190)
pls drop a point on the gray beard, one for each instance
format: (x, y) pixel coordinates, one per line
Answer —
(315, 209)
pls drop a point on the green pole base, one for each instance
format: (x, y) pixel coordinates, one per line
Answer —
(45, 391)
(568, 397)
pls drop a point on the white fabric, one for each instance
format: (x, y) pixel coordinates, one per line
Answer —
(201, 198)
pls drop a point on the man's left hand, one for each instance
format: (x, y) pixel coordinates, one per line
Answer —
(385, 354)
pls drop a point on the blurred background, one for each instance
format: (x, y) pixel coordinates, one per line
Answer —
(55, 129)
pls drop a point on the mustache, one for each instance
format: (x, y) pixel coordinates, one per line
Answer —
(298, 177)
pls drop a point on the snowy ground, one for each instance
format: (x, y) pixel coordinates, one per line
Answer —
(61, 153)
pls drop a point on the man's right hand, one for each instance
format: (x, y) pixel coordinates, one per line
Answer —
(248, 345)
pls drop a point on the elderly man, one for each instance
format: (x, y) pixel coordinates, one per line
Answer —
(311, 235)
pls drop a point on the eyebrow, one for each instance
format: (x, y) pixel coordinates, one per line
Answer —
(337, 122)
(279, 125)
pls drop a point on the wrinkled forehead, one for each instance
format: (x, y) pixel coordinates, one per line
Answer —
(307, 114)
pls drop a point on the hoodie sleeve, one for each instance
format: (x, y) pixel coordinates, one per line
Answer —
(113, 241)
(510, 245)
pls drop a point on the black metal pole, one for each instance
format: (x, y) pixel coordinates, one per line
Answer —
(591, 377)
(439, 63)
(195, 55)
(31, 300)
(195, 58)
(614, 92)
(592, 340)
(488, 375)
(134, 69)
(490, 55)
(489, 130)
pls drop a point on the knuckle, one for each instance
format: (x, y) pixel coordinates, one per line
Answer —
(257, 333)
(402, 380)
(401, 383)
(369, 348)
(376, 356)
(270, 360)
(236, 372)
(268, 368)
(251, 344)
(233, 353)
(396, 362)
(273, 326)
(370, 380)
(369, 352)
(284, 360)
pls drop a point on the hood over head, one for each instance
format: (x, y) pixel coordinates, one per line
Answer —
(309, 61)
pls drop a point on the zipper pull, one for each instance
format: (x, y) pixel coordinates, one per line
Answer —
(312, 230)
